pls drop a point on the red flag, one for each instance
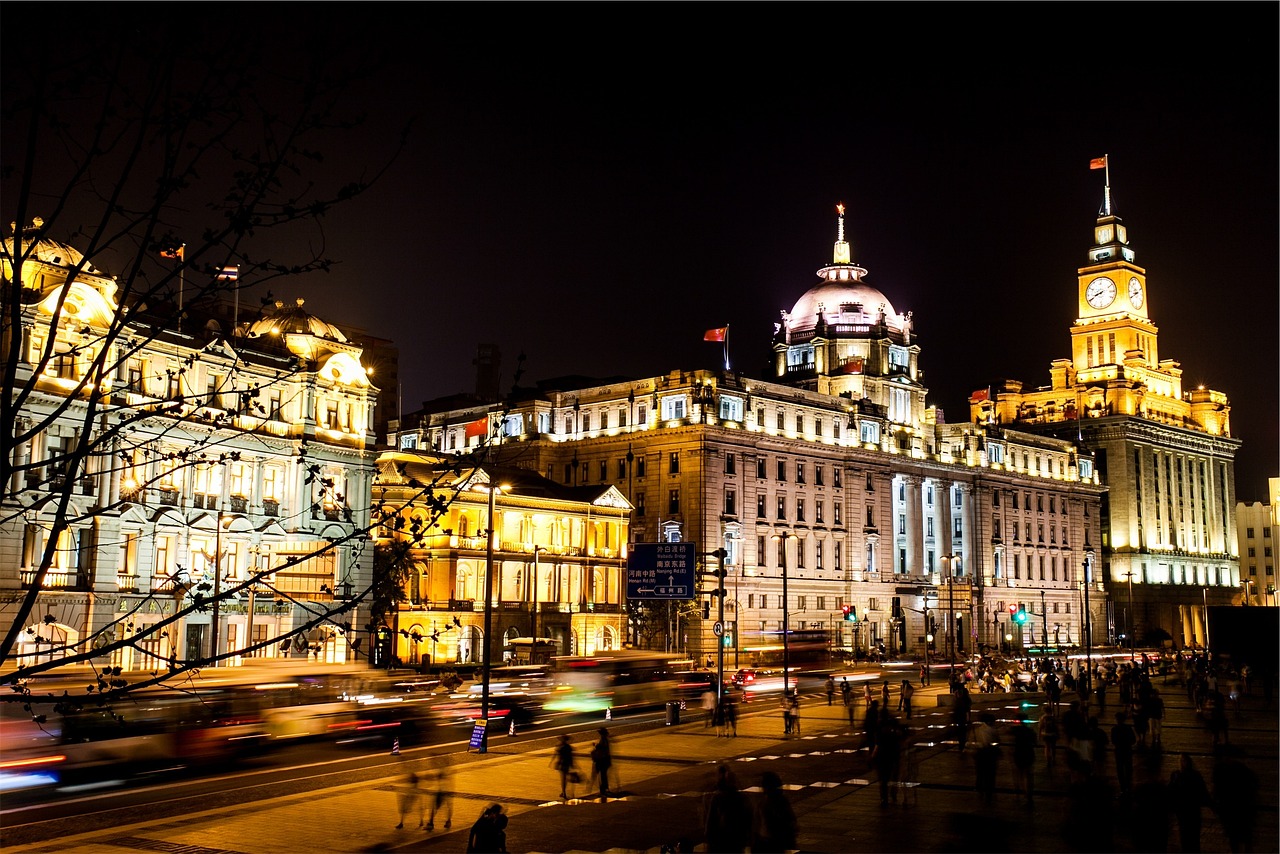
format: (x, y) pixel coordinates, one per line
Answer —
(479, 427)
(716, 334)
(980, 394)
(179, 253)
(1098, 162)
(853, 366)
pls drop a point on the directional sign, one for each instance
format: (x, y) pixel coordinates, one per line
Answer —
(661, 571)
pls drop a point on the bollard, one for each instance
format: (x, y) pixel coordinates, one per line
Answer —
(395, 746)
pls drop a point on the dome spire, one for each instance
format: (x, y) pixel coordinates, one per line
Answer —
(841, 253)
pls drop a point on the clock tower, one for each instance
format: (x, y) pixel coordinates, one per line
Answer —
(1113, 328)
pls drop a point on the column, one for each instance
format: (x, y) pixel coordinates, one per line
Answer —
(914, 539)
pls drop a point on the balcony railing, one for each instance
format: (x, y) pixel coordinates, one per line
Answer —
(59, 579)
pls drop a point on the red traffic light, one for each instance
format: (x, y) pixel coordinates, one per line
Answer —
(1013, 609)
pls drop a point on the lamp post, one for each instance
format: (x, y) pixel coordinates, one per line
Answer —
(1044, 624)
(1088, 621)
(537, 550)
(951, 613)
(487, 650)
(782, 538)
(1205, 591)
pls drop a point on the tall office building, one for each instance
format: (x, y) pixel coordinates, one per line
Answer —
(1165, 454)
(1258, 532)
(832, 481)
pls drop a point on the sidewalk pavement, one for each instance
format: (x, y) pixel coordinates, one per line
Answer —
(665, 771)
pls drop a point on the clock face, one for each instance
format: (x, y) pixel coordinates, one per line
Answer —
(1101, 292)
(1135, 292)
(1104, 234)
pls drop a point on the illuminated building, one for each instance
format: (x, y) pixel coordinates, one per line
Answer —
(1258, 532)
(239, 446)
(558, 554)
(837, 459)
(1165, 454)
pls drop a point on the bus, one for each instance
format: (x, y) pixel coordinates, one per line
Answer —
(614, 681)
(805, 647)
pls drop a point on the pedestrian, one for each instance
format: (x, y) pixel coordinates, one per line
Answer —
(709, 708)
(904, 698)
(924, 671)
(1048, 731)
(987, 758)
(961, 704)
(409, 798)
(866, 693)
(775, 828)
(794, 706)
(489, 833)
(886, 756)
(563, 761)
(831, 689)
(439, 796)
(870, 724)
(786, 714)
(1123, 741)
(1216, 706)
(727, 820)
(731, 715)
(1235, 797)
(1024, 758)
(1155, 716)
(1188, 794)
(884, 694)
(601, 762)
(846, 691)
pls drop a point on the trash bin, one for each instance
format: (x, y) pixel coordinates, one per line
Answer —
(673, 713)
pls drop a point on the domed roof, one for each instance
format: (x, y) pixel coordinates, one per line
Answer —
(842, 297)
(46, 249)
(294, 320)
(841, 301)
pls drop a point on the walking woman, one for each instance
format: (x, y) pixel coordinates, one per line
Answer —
(562, 761)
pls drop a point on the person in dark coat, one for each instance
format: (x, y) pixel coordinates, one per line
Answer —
(1024, 758)
(775, 825)
(886, 756)
(489, 833)
(1188, 794)
(728, 816)
(962, 703)
(601, 762)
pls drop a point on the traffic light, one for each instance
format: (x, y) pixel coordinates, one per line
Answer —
(1020, 617)
(1013, 609)
(706, 610)
(850, 613)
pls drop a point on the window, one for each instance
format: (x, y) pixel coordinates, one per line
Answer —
(817, 474)
(604, 470)
(799, 509)
(782, 507)
(730, 502)
(640, 503)
(782, 470)
(640, 466)
(730, 408)
(801, 601)
(408, 441)
(1248, 532)
(1039, 533)
(568, 424)
(673, 462)
(902, 523)
(760, 416)
(817, 554)
(835, 477)
(871, 484)
(760, 472)
(869, 432)
(730, 464)
(673, 501)
(799, 423)
(995, 453)
(928, 527)
(817, 512)
(799, 472)
(512, 425)
(751, 600)
(957, 532)
(995, 498)
(1039, 503)
(642, 414)
(902, 560)
(1052, 504)
(800, 550)
(781, 421)
(760, 511)
(764, 601)
(672, 407)
(760, 549)
(817, 426)
(836, 555)
(835, 512)
(622, 468)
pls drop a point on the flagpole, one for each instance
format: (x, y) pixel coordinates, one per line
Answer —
(1106, 169)
(182, 278)
(726, 346)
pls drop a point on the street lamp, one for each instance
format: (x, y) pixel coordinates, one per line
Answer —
(782, 538)
(487, 649)
(950, 560)
(537, 550)
(1044, 625)
(1088, 621)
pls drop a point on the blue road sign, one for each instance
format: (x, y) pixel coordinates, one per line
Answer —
(661, 571)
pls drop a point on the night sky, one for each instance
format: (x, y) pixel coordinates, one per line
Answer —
(596, 184)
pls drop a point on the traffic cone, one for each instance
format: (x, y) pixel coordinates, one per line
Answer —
(608, 714)
(395, 746)
(511, 727)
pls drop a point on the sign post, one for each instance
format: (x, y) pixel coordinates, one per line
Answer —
(662, 571)
(477, 735)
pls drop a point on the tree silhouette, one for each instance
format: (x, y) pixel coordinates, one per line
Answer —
(158, 186)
